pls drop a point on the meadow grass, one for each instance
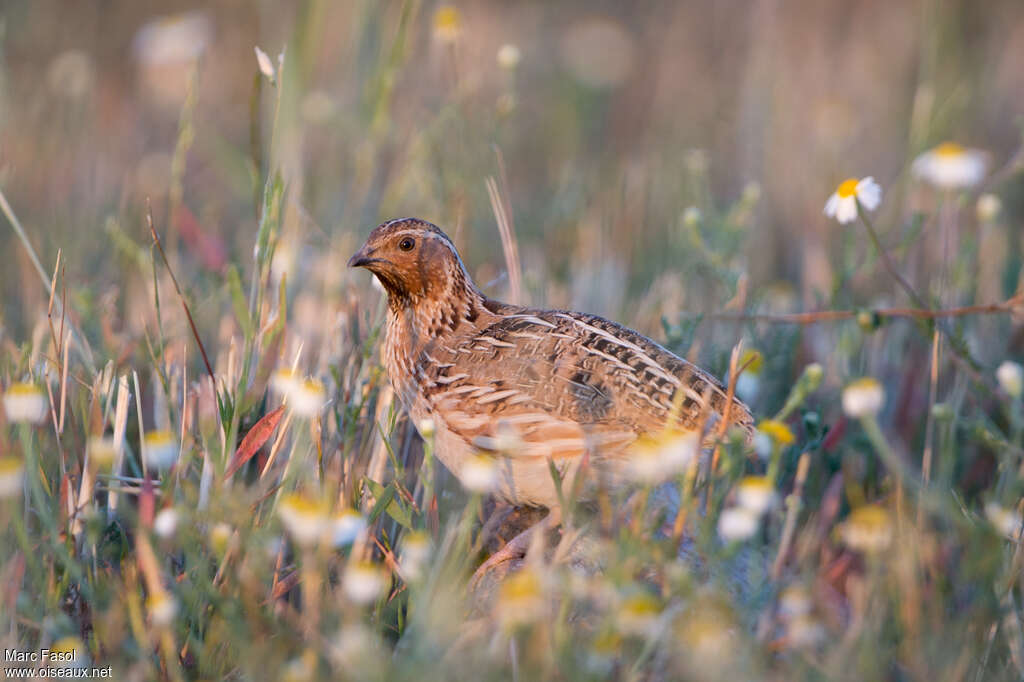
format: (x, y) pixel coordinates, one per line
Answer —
(205, 475)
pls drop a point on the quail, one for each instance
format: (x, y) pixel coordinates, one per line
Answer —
(534, 388)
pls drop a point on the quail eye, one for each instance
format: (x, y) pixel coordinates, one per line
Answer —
(407, 243)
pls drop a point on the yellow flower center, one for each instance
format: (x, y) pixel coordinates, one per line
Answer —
(777, 431)
(847, 188)
(521, 585)
(10, 465)
(752, 360)
(948, 150)
(864, 384)
(756, 484)
(870, 517)
(156, 439)
(447, 21)
(302, 506)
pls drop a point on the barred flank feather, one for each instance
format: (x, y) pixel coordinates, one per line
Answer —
(529, 384)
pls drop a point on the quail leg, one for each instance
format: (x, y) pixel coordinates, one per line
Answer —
(517, 547)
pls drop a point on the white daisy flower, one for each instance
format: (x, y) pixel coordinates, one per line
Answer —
(639, 615)
(363, 582)
(1007, 521)
(220, 537)
(25, 403)
(161, 608)
(479, 473)
(804, 633)
(12, 477)
(691, 216)
(738, 523)
(867, 529)
(284, 381)
(357, 650)
(303, 518)
(756, 493)
(426, 427)
(654, 460)
(842, 205)
(415, 552)
(794, 602)
(447, 24)
(173, 39)
(748, 385)
(863, 398)
(1010, 376)
(346, 527)
(68, 653)
(101, 451)
(951, 166)
(521, 598)
(160, 448)
(306, 397)
(763, 444)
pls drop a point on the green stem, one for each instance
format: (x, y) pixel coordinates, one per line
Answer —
(889, 265)
(885, 452)
(33, 473)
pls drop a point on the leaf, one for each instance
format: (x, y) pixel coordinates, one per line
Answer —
(384, 497)
(238, 301)
(254, 440)
(389, 501)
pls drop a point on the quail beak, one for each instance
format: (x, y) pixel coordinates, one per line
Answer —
(361, 258)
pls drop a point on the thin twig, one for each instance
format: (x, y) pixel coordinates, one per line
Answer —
(20, 231)
(929, 428)
(794, 502)
(84, 348)
(181, 297)
(1008, 306)
(723, 426)
(503, 215)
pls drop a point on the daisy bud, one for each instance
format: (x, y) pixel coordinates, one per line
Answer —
(1010, 376)
(988, 208)
(263, 60)
(863, 398)
(165, 524)
(509, 56)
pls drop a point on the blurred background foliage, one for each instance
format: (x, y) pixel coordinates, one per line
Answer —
(666, 165)
(614, 121)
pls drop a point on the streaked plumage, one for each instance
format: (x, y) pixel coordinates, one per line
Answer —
(536, 385)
